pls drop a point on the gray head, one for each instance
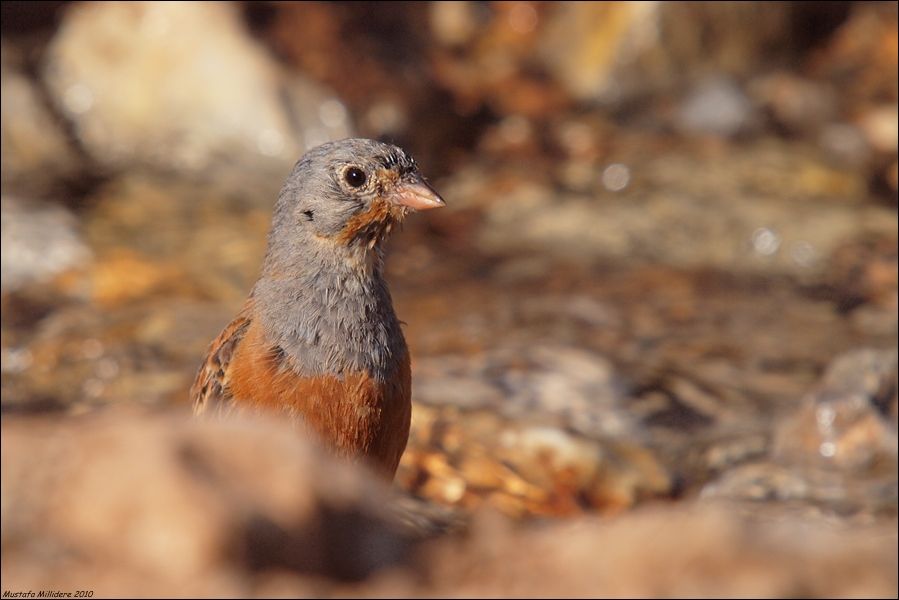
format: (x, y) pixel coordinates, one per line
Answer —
(350, 193)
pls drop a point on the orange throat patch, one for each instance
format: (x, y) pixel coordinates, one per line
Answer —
(373, 225)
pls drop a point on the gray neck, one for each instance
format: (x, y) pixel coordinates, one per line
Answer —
(329, 311)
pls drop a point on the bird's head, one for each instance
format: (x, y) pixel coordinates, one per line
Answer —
(352, 193)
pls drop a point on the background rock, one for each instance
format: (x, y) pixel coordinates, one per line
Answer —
(180, 86)
(39, 241)
(36, 152)
(744, 223)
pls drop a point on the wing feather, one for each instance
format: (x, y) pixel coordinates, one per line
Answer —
(211, 391)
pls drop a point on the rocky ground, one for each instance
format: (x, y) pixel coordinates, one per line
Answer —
(653, 332)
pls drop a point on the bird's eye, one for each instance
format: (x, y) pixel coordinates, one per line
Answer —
(355, 177)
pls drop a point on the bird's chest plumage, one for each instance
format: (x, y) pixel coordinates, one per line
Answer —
(333, 320)
(341, 366)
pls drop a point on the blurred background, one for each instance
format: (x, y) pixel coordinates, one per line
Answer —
(666, 277)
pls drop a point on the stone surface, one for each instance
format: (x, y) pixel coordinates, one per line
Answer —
(701, 550)
(121, 500)
(837, 449)
(585, 45)
(556, 382)
(612, 52)
(717, 107)
(473, 458)
(180, 86)
(39, 241)
(153, 503)
(846, 423)
(797, 104)
(35, 152)
(740, 209)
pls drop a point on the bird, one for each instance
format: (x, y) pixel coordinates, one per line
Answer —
(317, 340)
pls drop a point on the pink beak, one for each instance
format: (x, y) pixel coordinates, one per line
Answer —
(417, 196)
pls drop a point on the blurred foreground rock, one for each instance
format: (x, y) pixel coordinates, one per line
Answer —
(124, 500)
(130, 503)
(700, 550)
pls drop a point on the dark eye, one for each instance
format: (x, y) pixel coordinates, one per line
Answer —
(355, 177)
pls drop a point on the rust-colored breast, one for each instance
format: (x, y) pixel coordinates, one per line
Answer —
(356, 415)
